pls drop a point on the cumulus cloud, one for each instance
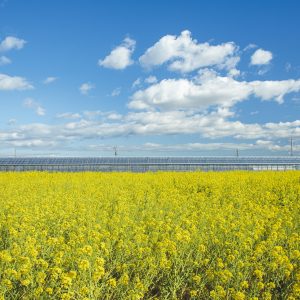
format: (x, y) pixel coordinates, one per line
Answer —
(85, 88)
(151, 79)
(68, 115)
(10, 43)
(4, 60)
(234, 73)
(156, 147)
(261, 57)
(258, 145)
(102, 115)
(32, 104)
(172, 94)
(33, 143)
(208, 90)
(274, 90)
(120, 57)
(114, 116)
(185, 54)
(136, 83)
(201, 103)
(177, 122)
(91, 114)
(250, 47)
(9, 83)
(49, 80)
(209, 125)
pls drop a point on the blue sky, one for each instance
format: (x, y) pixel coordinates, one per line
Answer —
(150, 77)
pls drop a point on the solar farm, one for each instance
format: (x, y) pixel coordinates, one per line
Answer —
(145, 164)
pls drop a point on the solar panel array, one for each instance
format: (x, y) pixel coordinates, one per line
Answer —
(144, 160)
(142, 164)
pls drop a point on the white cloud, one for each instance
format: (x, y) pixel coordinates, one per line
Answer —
(185, 54)
(14, 83)
(261, 57)
(102, 115)
(263, 70)
(116, 92)
(249, 47)
(32, 104)
(120, 57)
(85, 88)
(274, 90)
(33, 143)
(230, 63)
(136, 83)
(207, 125)
(40, 111)
(91, 114)
(49, 80)
(208, 90)
(179, 122)
(151, 79)
(192, 147)
(68, 115)
(114, 116)
(234, 73)
(10, 43)
(198, 104)
(173, 94)
(259, 144)
(4, 60)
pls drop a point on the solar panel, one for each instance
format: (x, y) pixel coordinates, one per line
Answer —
(147, 163)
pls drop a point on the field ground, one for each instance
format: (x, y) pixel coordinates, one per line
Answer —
(231, 235)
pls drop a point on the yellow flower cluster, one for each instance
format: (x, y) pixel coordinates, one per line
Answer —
(227, 235)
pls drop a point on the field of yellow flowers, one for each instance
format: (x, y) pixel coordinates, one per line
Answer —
(227, 235)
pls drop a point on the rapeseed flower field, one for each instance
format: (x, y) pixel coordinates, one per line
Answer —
(229, 235)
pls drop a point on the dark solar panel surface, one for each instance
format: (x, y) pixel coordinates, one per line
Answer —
(147, 160)
(116, 160)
